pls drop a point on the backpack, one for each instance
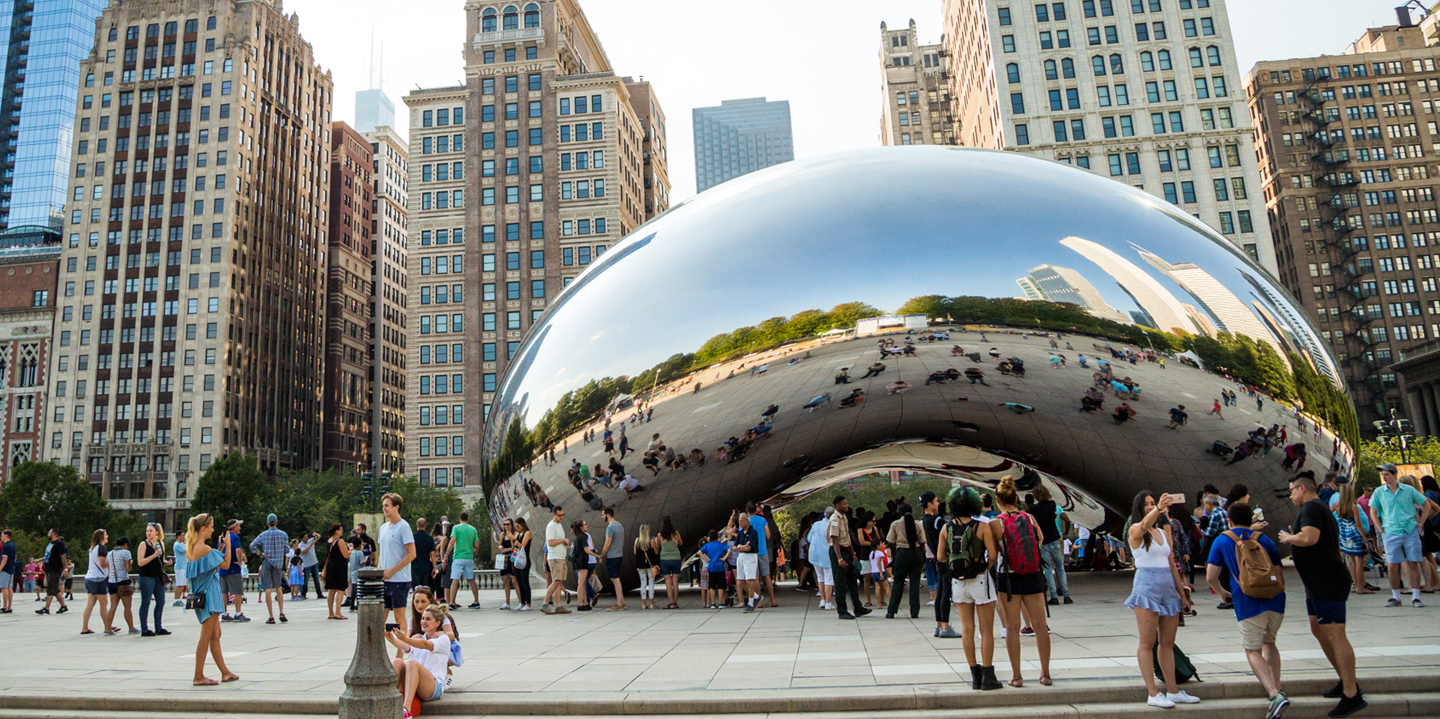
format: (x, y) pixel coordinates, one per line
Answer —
(1258, 577)
(967, 555)
(1184, 668)
(1022, 544)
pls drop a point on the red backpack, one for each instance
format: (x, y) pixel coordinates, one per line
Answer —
(1022, 544)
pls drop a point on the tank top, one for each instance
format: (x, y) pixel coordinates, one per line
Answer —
(669, 550)
(156, 566)
(1156, 557)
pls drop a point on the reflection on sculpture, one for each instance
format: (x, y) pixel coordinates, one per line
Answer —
(713, 318)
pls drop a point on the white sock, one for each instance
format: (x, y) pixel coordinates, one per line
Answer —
(1415, 594)
(1395, 594)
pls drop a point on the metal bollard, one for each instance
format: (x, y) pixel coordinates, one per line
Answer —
(370, 681)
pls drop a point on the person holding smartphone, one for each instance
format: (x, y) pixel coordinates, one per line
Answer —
(423, 672)
(203, 564)
(1157, 596)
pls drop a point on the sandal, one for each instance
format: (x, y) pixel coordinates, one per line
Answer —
(1045, 680)
(88, 631)
(207, 682)
(1016, 683)
(673, 606)
(283, 619)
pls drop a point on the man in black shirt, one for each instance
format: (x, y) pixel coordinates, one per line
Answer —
(1315, 539)
(423, 566)
(932, 522)
(57, 562)
(1047, 515)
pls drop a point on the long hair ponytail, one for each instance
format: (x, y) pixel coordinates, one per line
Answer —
(908, 517)
(192, 530)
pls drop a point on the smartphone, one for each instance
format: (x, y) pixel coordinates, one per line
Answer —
(391, 626)
(1177, 497)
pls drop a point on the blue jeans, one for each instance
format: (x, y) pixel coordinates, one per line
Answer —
(151, 588)
(932, 578)
(312, 572)
(1054, 569)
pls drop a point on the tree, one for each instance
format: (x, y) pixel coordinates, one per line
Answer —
(234, 488)
(426, 501)
(41, 496)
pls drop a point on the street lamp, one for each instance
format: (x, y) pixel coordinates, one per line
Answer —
(1396, 430)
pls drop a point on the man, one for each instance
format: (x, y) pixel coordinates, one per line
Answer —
(557, 547)
(714, 554)
(1047, 515)
(819, 557)
(842, 559)
(614, 553)
(397, 551)
(463, 537)
(9, 569)
(1330, 488)
(1217, 521)
(231, 583)
(57, 563)
(929, 506)
(932, 520)
(874, 370)
(1315, 537)
(309, 567)
(1393, 510)
(271, 545)
(767, 540)
(1178, 416)
(1259, 619)
(747, 565)
(422, 569)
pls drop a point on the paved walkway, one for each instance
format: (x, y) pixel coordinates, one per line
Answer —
(795, 646)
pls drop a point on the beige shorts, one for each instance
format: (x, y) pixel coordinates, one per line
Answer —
(559, 569)
(976, 590)
(1259, 630)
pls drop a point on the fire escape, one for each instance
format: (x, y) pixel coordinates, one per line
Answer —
(1338, 202)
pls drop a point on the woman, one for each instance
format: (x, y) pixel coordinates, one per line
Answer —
(1430, 535)
(583, 556)
(423, 672)
(1157, 596)
(335, 575)
(122, 589)
(521, 554)
(1428, 579)
(202, 563)
(507, 571)
(1354, 543)
(646, 565)
(864, 543)
(151, 564)
(907, 537)
(420, 600)
(1018, 584)
(667, 543)
(974, 598)
(97, 584)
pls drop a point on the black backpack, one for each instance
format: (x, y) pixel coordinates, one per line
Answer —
(966, 551)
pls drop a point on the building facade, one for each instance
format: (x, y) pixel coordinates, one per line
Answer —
(27, 316)
(194, 259)
(373, 109)
(738, 137)
(348, 293)
(1141, 91)
(389, 284)
(45, 42)
(914, 90)
(1346, 156)
(655, 154)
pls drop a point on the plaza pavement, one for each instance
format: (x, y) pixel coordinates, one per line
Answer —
(521, 660)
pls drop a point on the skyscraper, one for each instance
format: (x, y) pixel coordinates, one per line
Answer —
(1167, 312)
(389, 283)
(914, 94)
(45, 40)
(191, 320)
(373, 109)
(1145, 92)
(739, 137)
(1062, 284)
(349, 362)
(1226, 311)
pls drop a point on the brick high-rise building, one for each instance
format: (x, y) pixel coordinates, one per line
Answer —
(389, 248)
(1347, 145)
(1142, 91)
(348, 364)
(523, 177)
(28, 276)
(914, 90)
(194, 255)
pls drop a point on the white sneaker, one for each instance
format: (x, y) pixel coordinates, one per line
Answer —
(504, 606)
(524, 608)
(1159, 700)
(1181, 697)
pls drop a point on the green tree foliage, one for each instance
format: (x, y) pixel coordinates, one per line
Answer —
(234, 488)
(426, 501)
(1323, 400)
(1369, 455)
(869, 492)
(1035, 315)
(43, 495)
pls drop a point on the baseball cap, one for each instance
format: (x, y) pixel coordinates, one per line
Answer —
(271, 519)
(926, 497)
(233, 523)
(1389, 468)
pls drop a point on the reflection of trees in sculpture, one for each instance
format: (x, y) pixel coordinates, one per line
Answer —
(577, 407)
(1035, 314)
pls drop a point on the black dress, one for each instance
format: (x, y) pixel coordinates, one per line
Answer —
(337, 569)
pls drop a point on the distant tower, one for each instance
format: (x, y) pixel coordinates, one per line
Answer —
(372, 108)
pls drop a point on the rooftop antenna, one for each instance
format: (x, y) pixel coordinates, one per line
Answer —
(370, 75)
(380, 80)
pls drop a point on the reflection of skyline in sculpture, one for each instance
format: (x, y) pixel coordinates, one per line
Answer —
(1201, 320)
(1162, 306)
(1228, 312)
(1032, 291)
(1062, 284)
(1292, 327)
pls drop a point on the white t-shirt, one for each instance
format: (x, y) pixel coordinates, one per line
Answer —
(436, 660)
(393, 539)
(555, 530)
(95, 572)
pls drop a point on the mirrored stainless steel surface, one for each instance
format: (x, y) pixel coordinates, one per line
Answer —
(787, 286)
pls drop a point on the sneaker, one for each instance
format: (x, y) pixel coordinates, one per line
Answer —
(560, 610)
(749, 608)
(616, 608)
(42, 611)
(948, 633)
(1335, 692)
(862, 611)
(147, 634)
(930, 603)
(226, 618)
(1181, 697)
(1159, 700)
(134, 631)
(524, 608)
(1277, 706)
(583, 608)
(1068, 600)
(178, 603)
(1225, 605)
(847, 615)
(61, 610)
(475, 605)
(1416, 603)
(1393, 602)
(1027, 631)
(109, 633)
(1349, 705)
(162, 632)
(547, 609)
(504, 606)
(1053, 601)
(241, 618)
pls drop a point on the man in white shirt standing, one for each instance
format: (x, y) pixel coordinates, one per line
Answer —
(557, 546)
(397, 551)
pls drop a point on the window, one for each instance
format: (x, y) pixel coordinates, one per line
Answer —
(1012, 71)
(1098, 64)
(1007, 43)
(1004, 14)
(1022, 134)
(1017, 103)
(1050, 71)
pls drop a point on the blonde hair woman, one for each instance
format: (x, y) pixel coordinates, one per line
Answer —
(1353, 542)
(647, 566)
(203, 563)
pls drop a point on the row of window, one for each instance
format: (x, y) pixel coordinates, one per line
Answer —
(512, 322)
(444, 446)
(441, 415)
(487, 351)
(571, 256)
(577, 190)
(1392, 67)
(510, 17)
(442, 384)
(442, 265)
(444, 477)
(512, 290)
(442, 353)
(510, 54)
(1101, 8)
(442, 237)
(580, 104)
(442, 324)
(442, 171)
(512, 233)
(441, 294)
(579, 161)
(582, 132)
(442, 144)
(445, 200)
(441, 117)
(511, 82)
(512, 111)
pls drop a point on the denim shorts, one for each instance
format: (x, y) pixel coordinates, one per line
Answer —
(462, 569)
(97, 586)
(1402, 547)
(439, 689)
(669, 567)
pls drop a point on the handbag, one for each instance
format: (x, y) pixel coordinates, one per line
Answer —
(521, 558)
(500, 561)
(195, 600)
(125, 590)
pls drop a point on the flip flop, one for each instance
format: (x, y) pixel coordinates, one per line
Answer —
(206, 683)
(231, 678)
(88, 631)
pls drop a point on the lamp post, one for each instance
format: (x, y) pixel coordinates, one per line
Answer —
(370, 681)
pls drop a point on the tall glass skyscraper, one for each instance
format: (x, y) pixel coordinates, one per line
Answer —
(740, 137)
(45, 42)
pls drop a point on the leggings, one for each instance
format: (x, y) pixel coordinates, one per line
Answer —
(151, 588)
(647, 583)
(522, 585)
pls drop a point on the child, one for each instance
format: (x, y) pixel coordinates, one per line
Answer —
(297, 579)
(715, 555)
(879, 571)
(32, 579)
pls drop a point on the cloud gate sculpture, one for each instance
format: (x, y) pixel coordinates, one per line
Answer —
(961, 313)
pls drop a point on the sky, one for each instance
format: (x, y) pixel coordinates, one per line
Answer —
(820, 55)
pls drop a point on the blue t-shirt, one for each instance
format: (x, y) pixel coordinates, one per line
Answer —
(1222, 552)
(714, 552)
(234, 557)
(758, 524)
